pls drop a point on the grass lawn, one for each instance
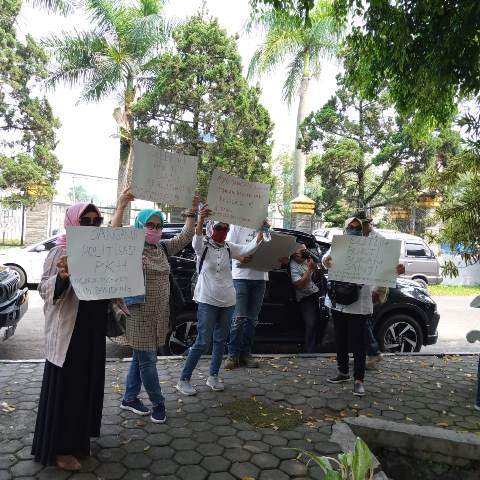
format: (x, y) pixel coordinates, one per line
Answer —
(443, 290)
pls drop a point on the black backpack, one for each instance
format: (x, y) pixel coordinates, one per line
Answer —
(343, 293)
(194, 280)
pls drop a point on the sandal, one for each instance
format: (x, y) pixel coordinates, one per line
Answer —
(68, 462)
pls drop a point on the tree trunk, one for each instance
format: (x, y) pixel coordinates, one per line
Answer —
(126, 137)
(300, 157)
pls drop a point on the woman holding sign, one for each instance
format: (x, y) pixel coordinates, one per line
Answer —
(71, 398)
(215, 296)
(148, 323)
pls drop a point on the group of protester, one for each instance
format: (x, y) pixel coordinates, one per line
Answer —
(229, 295)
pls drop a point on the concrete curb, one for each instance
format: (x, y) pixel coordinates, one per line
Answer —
(438, 444)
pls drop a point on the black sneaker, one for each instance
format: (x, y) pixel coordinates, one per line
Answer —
(358, 389)
(135, 406)
(341, 377)
(158, 414)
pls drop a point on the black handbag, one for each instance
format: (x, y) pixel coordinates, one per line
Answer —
(343, 293)
(177, 300)
(117, 314)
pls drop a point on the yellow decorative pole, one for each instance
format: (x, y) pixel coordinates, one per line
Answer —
(302, 209)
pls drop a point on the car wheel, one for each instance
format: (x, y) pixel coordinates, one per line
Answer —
(421, 281)
(400, 333)
(22, 276)
(182, 337)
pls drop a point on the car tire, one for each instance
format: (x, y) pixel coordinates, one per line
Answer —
(182, 337)
(421, 281)
(21, 275)
(400, 333)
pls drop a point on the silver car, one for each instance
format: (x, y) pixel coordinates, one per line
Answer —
(420, 262)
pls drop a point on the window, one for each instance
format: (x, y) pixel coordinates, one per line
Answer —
(49, 245)
(417, 250)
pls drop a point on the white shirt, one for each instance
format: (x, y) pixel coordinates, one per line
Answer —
(215, 284)
(243, 236)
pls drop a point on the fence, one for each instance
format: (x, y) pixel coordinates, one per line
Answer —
(11, 226)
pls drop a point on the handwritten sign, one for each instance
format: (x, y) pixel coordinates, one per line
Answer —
(237, 201)
(105, 262)
(161, 176)
(268, 254)
(364, 260)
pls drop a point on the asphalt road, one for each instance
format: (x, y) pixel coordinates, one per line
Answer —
(456, 319)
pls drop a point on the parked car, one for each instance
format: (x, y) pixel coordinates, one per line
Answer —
(421, 264)
(404, 323)
(28, 261)
(13, 302)
(327, 233)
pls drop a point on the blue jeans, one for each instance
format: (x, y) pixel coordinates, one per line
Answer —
(211, 322)
(372, 345)
(249, 303)
(143, 370)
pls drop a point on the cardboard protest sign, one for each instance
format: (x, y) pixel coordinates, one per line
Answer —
(105, 262)
(268, 254)
(161, 176)
(237, 201)
(365, 260)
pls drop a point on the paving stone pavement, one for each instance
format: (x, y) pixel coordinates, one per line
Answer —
(200, 442)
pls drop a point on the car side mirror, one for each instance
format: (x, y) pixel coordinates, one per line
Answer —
(40, 248)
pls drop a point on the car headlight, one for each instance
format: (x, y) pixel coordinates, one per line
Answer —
(418, 294)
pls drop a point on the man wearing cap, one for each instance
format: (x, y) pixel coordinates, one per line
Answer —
(350, 321)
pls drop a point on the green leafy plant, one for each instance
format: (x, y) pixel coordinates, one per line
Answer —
(355, 465)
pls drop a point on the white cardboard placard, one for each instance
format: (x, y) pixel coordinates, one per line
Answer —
(237, 201)
(161, 176)
(365, 260)
(268, 254)
(105, 262)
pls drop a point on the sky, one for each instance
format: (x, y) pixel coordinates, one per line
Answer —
(87, 137)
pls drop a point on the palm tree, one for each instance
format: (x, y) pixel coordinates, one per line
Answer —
(304, 45)
(115, 56)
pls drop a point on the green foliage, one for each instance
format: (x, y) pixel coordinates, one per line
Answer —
(28, 166)
(198, 103)
(114, 56)
(288, 39)
(79, 194)
(299, 8)
(369, 158)
(425, 51)
(356, 465)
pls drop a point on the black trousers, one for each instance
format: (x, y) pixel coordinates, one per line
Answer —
(350, 332)
(314, 323)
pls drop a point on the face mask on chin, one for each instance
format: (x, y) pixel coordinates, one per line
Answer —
(219, 235)
(153, 236)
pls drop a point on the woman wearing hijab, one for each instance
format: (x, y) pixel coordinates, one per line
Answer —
(148, 323)
(215, 296)
(71, 398)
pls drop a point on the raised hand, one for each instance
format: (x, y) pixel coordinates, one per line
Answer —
(125, 198)
(62, 268)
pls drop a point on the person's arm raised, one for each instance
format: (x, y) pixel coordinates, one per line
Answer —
(123, 200)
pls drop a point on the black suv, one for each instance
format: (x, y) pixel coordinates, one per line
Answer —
(407, 320)
(13, 302)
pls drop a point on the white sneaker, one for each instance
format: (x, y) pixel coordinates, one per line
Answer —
(473, 336)
(184, 387)
(215, 384)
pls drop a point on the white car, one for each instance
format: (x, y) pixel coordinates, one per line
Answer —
(28, 261)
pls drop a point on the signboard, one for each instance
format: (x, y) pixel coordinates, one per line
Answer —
(268, 254)
(237, 201)
(163, 177)
(365, 260)
(105, 262)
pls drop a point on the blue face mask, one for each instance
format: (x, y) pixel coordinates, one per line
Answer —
(354, 231)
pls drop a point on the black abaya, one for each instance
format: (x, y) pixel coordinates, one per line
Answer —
(71, 399)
